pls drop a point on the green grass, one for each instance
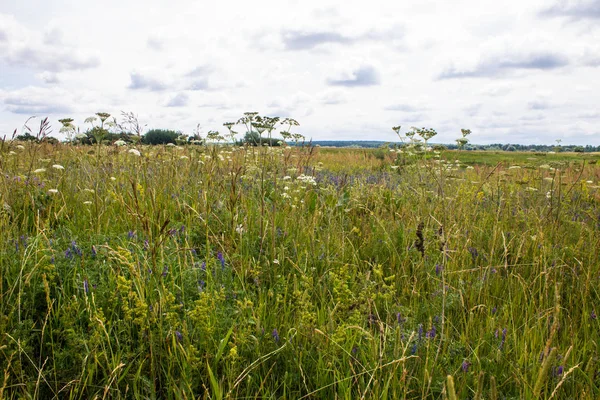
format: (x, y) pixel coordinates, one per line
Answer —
(220, 272)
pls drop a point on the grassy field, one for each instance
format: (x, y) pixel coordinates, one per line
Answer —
(220, 272)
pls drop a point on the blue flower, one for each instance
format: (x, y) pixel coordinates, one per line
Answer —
(221, 259)
(275, 335)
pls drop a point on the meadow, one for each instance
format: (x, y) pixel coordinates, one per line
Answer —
(226, 272)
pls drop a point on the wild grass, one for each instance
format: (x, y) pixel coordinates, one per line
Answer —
(242, 272)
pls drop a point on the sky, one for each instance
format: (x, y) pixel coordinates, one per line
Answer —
(514, 71)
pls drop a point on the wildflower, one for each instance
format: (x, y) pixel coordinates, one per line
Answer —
(58, 166)
(20, 147)
(530, 189)
(87, 203)
(514, 167)
(420, 331)
(221, 259)
(438, 269)
(53, 191)
(559, 370)
(431, 333)
(112, 178)
(413, 350)
(39, 170)
(130, 234)
(239, 229)
(275, 335)
(276, 261)
(399, 318)
(593, 315)
(503, 338)
(135, 152)
(465, 366)
(86, 286)
(165, 271)
(120, 143)
(179, 336)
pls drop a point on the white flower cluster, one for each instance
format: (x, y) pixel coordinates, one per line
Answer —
(307, 179)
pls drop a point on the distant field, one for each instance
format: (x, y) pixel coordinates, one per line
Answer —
(246, 272)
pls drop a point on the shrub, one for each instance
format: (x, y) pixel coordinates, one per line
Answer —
(160, 136)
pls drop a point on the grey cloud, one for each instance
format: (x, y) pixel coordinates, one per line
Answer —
(305, 41)
(589, 9)
(198, 84)
(51, 60)
(139, 81)
(401, 107)
(48, 77)
(363, 76)
(201, 70)
(298, 40)
(154, 43)
(179, 100)
(25, 106)
(498, 66)
(539, 105)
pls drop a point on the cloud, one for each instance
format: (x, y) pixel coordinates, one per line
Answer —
(179, 100)
(201, 70)
(198, 84)
(154, 43)
(22, 47)
(365, 75)
(578, 9)
(145, 81)
(401, 107)
(498, 66)
(37, 101)
(303, 41)
(332, 97)
(297, 40)
(539, 105)
(48, 77)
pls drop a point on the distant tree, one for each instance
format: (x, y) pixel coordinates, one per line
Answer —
(26, 137)
(160, 136)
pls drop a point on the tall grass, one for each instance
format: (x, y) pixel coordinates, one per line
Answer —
(226, 272)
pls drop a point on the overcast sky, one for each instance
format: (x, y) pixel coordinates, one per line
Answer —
(512, 71)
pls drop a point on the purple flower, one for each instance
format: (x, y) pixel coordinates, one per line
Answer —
(465, 366)
(413, 350)
(94, 251)
(431, 333)
(593, 315)
(438, 269)
(165, 271)
(503, 338)
(146, 244)
(131, 234)
(201, 285)
(86, 286)
(275, 335)
(354, 350)
(399, 318)
(221, 259)
(420, 332)
(559, 371)
(494, 310)
(203, 266)
(179, 336)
